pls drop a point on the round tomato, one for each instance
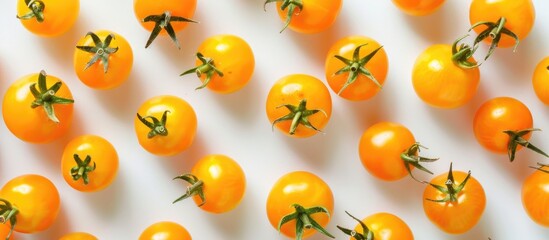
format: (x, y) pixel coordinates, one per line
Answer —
(48, 17)
(307, 196)
(535, 196)
(30, 203)
(103, 60)
(307, 16)
(390, 152)
(170, 15)
(165, 125)
(217, 67)
(540, 80)
(217, 184)
(5, 231)
(504, 125)
(356, 67)
(454, 201)
(89, 163)
(299, 105)
(165, 231)
(38, 108)
(380, 226)
(418, 7)
(78, 236)
(440, 82)
(519, 19)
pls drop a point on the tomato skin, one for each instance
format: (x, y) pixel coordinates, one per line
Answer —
(59, 17)
(237, 72)
(380, 147)
(520, 16)
(386, 226)
(497, 115)
(181, 8)
(460, 217)
(316, 16)
(363, 88)
(23, 192)
(418, 7)
(120, 62)
(540, 80)
(292, 89)
(303, 188)
(78, 236)
(224, 183)
(32, 124)
(181, 124)
(439, 82)
(165, 230)
(102, 153)
(5, 230)
(535, 197)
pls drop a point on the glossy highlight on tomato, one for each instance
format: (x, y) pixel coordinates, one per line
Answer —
(165, 230)
(540, 80)
(89, 163)
(440, 82)
(380, 226)
(78, 236)
(308, 16)
(299, 105)
(103, 61)
(418, 7)
(535, 196)
(48, 18)
(219, 69)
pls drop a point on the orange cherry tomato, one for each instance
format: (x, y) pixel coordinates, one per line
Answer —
(381, 226)
(454, 213)
(5, 231)
(535, 196)
(540, 80)
(165, 231)
(519, 14)
(355, 84)
(78, 236)
(439, 82)
(103, 66)
(48, 18)
(35, 125)
(89, 163)
(217, 66)
(217, 183)
(418, 7)
(36, 200)
(302, 188)
(312, 16)
(171, 125)
(309, 100)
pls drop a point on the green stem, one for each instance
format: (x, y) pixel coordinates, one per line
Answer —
(292, 5)
(298, 115)
(8, 212)
(36, 8)
(45, 97)
(207, 67)
(196, 188)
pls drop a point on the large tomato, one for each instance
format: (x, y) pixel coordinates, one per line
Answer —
(540, 80)
(299, 105)
(38, 108)
(307, 16)
(165, 230)
(297, 196)
(379, 226)
(535, 196)
(48, 17)
(217, 183)
(356, 67)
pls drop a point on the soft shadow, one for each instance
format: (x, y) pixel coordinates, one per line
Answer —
(107, 202)
(395, 190)
(368, 112)
(438, 27)
(317, 45)
(183, 162)
(62, 48)
(60, 227)
(189, 39)
(314, 150)
(225, 222)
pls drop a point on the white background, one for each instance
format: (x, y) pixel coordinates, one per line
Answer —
(236, 124)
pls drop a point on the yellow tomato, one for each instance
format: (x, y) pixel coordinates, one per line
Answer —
(165, 231)
(78, 236)
(540, 80)
(418, 7)
(48, 17)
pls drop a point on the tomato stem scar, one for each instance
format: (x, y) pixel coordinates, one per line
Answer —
(207, 67)
(299, 115)
(45, 96)
(356, 66)
(303, 220)
(158, 127)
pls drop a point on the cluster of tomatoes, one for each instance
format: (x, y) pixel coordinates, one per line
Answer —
(38, 108)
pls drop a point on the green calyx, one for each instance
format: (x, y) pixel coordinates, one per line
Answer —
(541, 167)
(36, 8)
(303, 220)
(45, 97)
(8, 212)
(196, 188)
(158, 127)
(164, 21)
(451, 190)
(82, 168)
(462, 54)
(101, 50)
(411, 157)
(516, 138)
(355, 67)
(207, 67)
(365, 235)
(298, 115)
(292, 5)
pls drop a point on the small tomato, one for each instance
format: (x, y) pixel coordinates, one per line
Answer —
(48, 18)
(535, 196)
(307, 16)
(165, 231)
